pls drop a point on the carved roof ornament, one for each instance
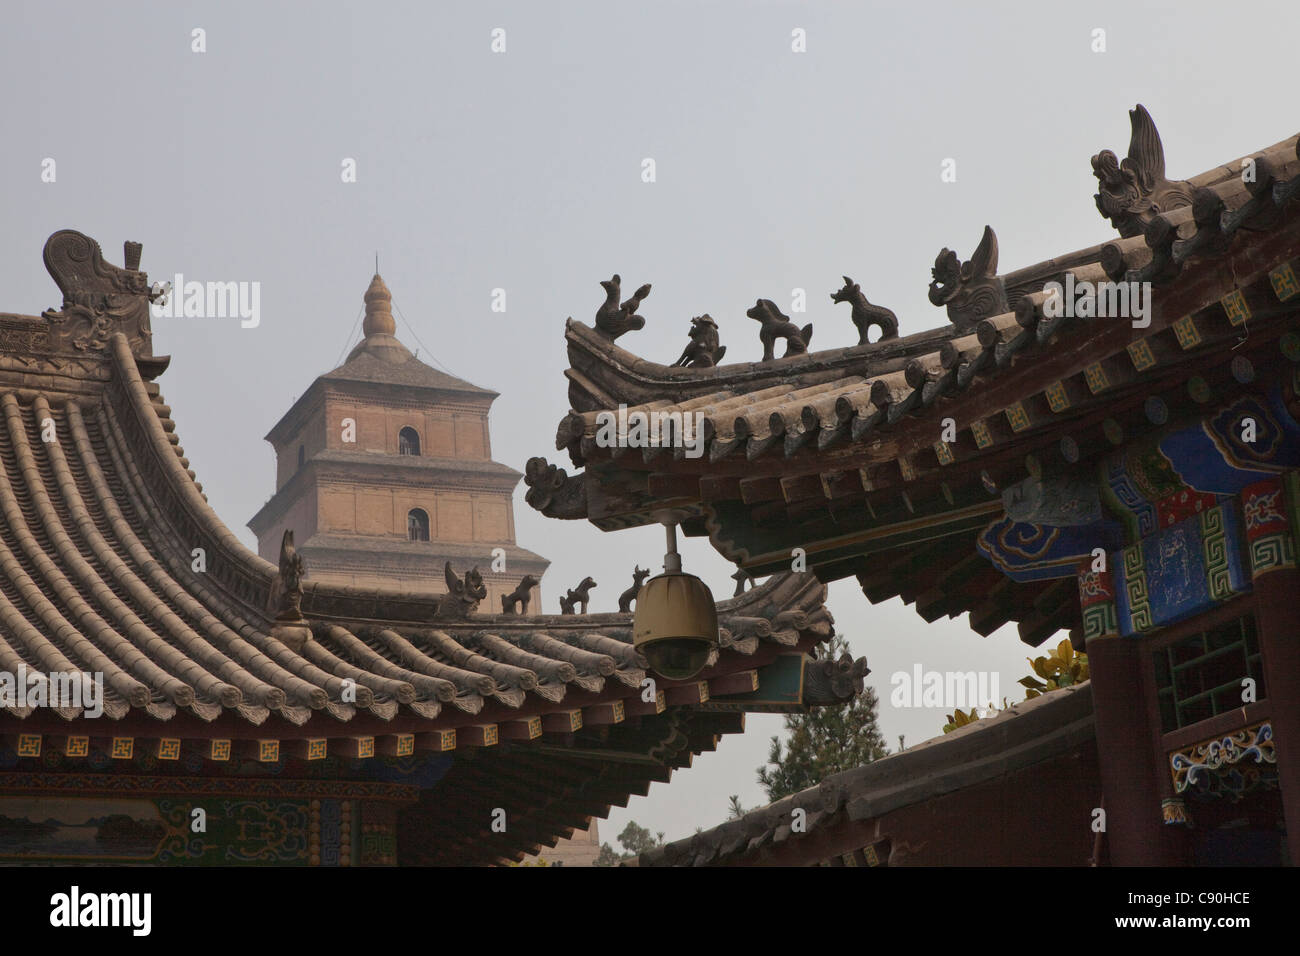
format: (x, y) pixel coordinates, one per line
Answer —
(580, 595)
(865, 315)
(972, 290)
(1134, 191)
(775, 325)
(286, 597)
(834, 681)
(98, 298)
(613, 319)
(639, 574)
(463, 597)
(703, 351)
(553, 492)
(516, 602)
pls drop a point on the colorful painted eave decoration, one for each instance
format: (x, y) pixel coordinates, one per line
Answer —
(1181, 570)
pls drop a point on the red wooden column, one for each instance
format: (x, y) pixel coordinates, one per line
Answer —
(1277, 590)
(1136, 834)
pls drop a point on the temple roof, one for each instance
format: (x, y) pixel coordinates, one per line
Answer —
(112, 562)
(842, 452)
(1020, 736)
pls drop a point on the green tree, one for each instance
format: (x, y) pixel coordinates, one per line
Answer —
(635, 840)
(824, 741)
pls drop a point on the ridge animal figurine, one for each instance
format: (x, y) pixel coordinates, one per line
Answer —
(777, 326)
(865, 315)
(703, 350)
(519, 597)
(579, 595)
(627, 597)
(613, 319)
(292, 571)
(463, 597)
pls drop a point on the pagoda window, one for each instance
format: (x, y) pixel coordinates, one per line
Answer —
(417, 524)
(408, 441)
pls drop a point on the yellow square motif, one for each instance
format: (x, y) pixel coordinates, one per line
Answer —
(619, 712)
(1017, 417)
(365, 747)
(317, 749)
(221, 750)
(944, 453)
(77, 747)
(1284, 282)
(1056, 397)
(1189, 336)
(268, 751)
(449, 740)
(981, 432)
(491, 734)
(1095, 376)
(169, 748)
(1234, 303)
(1141, 354)
(405, 745)
(29, 745)
(123, 748)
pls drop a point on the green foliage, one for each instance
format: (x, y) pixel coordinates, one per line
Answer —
(1064, 667)
(825, 741)
(734, 810)
(635, 840)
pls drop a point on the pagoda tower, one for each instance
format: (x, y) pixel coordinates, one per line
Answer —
(384, 473)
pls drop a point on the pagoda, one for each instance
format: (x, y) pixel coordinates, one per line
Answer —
(384, 473)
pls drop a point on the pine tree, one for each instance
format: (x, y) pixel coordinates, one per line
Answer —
(823, 742)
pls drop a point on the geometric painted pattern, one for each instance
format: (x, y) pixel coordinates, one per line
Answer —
(1268, 531)
(1057, 400)
(1234, 304)
(1141, 354)
(1097, 600)
(29, 745)
(1214, 548)
(220, 750)
(122, 748)
(1135, 589)
(943, 453)
(317, 748)
(268, 751)
(405, 745)
(1182, 570)
(77, 747)
(1189, 336)
(980, 431)
(1284, 282)
(1095, 376)
(169, 748)
(1017, 417)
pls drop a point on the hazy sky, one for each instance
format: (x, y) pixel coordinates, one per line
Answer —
(521, 170)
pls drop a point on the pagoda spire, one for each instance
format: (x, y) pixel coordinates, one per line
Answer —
(379, 309)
